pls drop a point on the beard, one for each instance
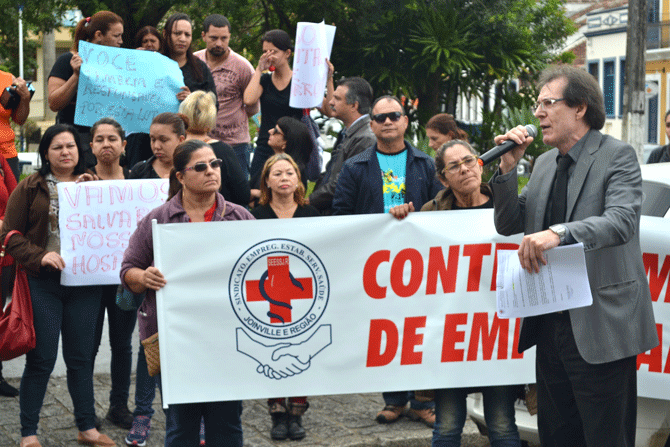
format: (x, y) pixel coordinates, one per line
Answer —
(218, 51)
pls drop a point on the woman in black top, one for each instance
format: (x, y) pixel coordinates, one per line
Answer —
(178, 35)
(200, 112)
(283, 197)
(273, 89)
(102, 28)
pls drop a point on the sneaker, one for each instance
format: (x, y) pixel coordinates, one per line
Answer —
(390, 413)
(202, 431)
(139, 433)
(120, 416)
(426, 416)
(7, 390)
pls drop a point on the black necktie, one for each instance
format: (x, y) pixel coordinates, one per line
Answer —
(559, 197)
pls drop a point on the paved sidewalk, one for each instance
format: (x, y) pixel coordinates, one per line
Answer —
(341, 420)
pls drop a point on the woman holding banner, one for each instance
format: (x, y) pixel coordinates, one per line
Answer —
(457, 169)
(178, 35)
(274, 91)
(283, 197)
(194, 183)
(108, 143)
(102, 28)
(57, 310)
(166, 132)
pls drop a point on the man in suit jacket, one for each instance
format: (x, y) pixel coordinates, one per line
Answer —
(351, 103)
(586, 357)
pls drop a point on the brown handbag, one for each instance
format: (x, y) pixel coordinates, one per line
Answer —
(152, 354)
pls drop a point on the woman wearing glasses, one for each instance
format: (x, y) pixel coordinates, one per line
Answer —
(457, 169)
(200, 110)
(194, 184)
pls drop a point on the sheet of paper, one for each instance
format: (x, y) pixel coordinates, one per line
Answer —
(562, 284)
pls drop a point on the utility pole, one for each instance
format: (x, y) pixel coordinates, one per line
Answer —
(634, 96)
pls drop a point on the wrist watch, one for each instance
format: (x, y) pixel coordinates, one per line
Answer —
(560, 231)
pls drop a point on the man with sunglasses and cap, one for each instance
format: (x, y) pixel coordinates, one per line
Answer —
(391, 175)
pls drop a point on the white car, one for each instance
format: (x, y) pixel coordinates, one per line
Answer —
(653, 415)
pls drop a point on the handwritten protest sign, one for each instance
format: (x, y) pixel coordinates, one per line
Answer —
(131, 86)
(96, 220)
(314, 42)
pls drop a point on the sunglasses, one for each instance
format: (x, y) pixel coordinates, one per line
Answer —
(202, 166)
(381, 117)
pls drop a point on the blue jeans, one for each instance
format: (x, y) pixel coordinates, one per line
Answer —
(121, 326)
(400, 399)
(451, 411)
(243, 151)
(223, 424)
(145, 387)
(72, 312)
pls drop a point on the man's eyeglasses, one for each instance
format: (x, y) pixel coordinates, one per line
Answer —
(381, 117)
(469, 162)
(202, 166)
(545, 104)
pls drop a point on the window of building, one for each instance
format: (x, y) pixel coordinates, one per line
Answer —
(609, 87)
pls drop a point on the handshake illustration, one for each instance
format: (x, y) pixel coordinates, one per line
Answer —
(283, 359)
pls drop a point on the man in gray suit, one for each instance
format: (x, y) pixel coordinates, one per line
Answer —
(351, 103)
(588, 189)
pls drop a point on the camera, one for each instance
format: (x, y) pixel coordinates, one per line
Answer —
(10, 99)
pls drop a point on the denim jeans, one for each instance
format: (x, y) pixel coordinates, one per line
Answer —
(73, 313)
(243, 151)
(223, 424)
(121, 326)
(451, 411)
(261, 154)
(145, 387)
(400, 399)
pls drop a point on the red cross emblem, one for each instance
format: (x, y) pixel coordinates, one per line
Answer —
(278, 287)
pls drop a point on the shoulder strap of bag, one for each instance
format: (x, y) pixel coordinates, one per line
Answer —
(6, 241)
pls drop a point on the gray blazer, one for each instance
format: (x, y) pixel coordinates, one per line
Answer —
(359, 137)
(604, 201)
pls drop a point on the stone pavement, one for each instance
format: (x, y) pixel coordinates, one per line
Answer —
(340, 420)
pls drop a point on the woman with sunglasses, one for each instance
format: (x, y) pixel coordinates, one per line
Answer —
(200, 110)
(102, 28)
(58, 310)
(288, 136)
(283, 197)
(273, 88)
(178, 36)
(194, 183)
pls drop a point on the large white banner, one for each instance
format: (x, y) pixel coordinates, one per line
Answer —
(347, 304)
(96, 220)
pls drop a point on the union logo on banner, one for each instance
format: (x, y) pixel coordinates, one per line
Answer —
(279, 290)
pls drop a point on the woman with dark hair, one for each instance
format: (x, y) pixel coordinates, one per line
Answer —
(167, 131)
(273, 89)
(283, 197)
(194, 184)
(57, 309)
(442, 128)
(149, 38)
(292, 137)
(200, 111)
(108, 143)
(178, 35)
(102, 28)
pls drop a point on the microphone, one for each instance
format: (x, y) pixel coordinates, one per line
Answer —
(504, 148)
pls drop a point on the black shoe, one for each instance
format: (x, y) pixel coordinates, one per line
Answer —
(279, 426)
(120, 416)
(295, 430)
(7, 390)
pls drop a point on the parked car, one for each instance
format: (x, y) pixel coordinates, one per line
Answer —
(652, 414)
